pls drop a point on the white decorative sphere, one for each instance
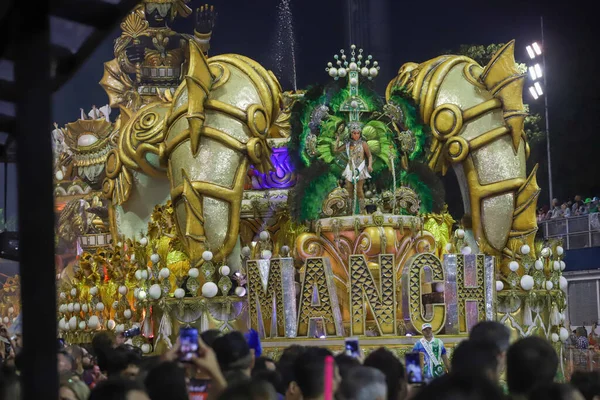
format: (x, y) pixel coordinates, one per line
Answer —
(240, 291)
(225, 270)
(84, 307)
(246, 251)
(143, 241)
(123, 290)
(353, 66)
(138, 274)
(342, 72)
(439, 287)
(93, 322)
(549, 285)
(132, 258)
(207, 255)
(209, 289)
(563, 283)
(562, 265)
(545, 252)
(155, 258)
(194, 273)
(164, 273)
(145, 274)
(6, 320)
(556, 265)
(266, 254)
(94, 290)
(62, 308)
(115, 305)
(564, 334)
(264, 235)
(73, 292)
(466, 250)
(61, 324)
(499, 286)
(354, 104)
(373, 71)
(127, 313)
(353, 81)
(120, 328)
(448, 247)
(82, 325)
(62, 295)
(179, 293)
(70, 307)
(141, 295)
(59, 175)
(111, 324)
(119, 244)
(285, 250)
(146, 348)
(513, 266)
(554, 337)
(539, 265)
(460, 233)
(527, 282)
(562, 317)
(560, 250)
(73, 323)
(333, 72)
(525, 249)
(155, 291)
(100, 306)
(364, 71)
(77, 307)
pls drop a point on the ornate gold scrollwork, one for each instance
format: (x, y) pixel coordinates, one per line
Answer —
(337, 203)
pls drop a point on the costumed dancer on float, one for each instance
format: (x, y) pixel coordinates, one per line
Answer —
(434, 359)
(360, 162)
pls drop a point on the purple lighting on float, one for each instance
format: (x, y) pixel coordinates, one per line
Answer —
(281, 177)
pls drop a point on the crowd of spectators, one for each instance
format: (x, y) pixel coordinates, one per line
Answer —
(227, 367)
(569, 208)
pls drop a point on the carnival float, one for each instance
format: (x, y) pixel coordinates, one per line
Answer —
(218, 200)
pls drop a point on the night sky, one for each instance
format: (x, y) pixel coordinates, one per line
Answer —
(417, 31)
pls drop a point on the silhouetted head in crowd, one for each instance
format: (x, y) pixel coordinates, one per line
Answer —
(309, 373)
(102, 343)
(555, 391)
(588, 383)
(392, 368)
(476, 359)
(166, 381)
(263, 364)
(364, 383)
(119, 389)
(451, 387)
(124, 361)
(491, 332)
(233, 353)
(273, 377)
(285, 366)
(345, 363)
(530, 362)
(209, 336)
(251, 390)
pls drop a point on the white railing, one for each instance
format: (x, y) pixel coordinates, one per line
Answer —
(577, 232)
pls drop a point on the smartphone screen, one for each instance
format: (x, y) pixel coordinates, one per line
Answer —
(413, 368)
(188, 338)
(198, 389)
(351, 347)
